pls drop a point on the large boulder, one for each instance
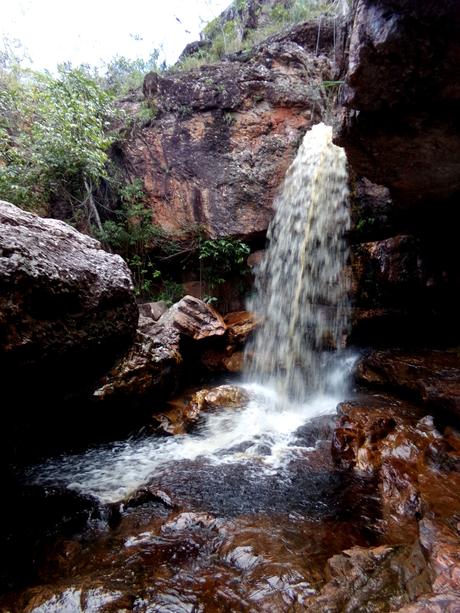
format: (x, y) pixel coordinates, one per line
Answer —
(224, 135)
(64, 301)
(402, 95)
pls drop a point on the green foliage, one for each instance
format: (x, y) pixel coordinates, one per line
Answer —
(54, 137)
(230, 36)
(222, 257)
(123, 74)
(171, 292)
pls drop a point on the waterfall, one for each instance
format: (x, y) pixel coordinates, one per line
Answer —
(301, 289)
(302, 296)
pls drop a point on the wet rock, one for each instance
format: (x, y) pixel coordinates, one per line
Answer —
(240, 326)
(222, 397)
(372, 213)
(179, 418)
(224, 360)
(435, 603)
(63, 302)
(432, 377)
(193, 318)
(442, 544)
(364, 425)
(373, 579)
(148, 373)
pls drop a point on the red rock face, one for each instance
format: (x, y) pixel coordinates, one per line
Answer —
(224, 137)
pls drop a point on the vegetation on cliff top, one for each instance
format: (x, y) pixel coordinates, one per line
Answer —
(246, 23)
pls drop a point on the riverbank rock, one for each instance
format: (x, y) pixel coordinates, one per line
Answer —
(432, 377)
(193, 318)
(222, 397)
(416, 465)
(164, 353)
(148, 373)
(182, 413)
(63, 300)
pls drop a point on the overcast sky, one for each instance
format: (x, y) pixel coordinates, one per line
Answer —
(91, 31)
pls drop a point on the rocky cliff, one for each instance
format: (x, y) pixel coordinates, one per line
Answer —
(223, 135)
(399, 126)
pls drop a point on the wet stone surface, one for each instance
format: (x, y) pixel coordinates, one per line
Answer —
(372, 526)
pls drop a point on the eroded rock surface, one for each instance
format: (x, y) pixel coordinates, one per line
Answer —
(193, 318)
(402, 98)
(224, 135)
(62, 298)
(430, 376)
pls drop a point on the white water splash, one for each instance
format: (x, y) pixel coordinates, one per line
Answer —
(262, 432)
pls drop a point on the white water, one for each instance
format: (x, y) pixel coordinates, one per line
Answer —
(296, 380)
(301, 291)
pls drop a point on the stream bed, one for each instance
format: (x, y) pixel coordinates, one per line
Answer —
(239, 515)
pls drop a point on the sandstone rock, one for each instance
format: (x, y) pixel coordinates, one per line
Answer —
(153, 310)
(226, 360)
(222, 397)
(226, 133)
(434, 603)
(430, 376)
(372, 579)
(193, 318)
(63, 300)
(179, 417)
(148, 372)
(240, 326)
(364, 425)
(443, 547)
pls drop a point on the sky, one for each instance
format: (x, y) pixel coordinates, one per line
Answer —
(93, 31)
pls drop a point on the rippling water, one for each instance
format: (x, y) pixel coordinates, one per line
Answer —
(263, 432)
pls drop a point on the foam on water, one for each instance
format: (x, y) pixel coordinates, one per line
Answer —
(263, 432)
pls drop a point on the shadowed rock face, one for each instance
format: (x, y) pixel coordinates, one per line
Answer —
(62, 297)
(224, 136)
(67, 311)
(401, 127)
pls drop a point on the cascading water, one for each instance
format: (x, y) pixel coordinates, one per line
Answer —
(301, 289)
(301, 293)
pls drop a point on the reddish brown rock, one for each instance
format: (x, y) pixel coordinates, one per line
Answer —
(430, 376)
(225, 360)
(240, 326)
(224, 396)
(224, 135)
(148, 372)
(372, 579)
(194, 318)
(442, 545)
